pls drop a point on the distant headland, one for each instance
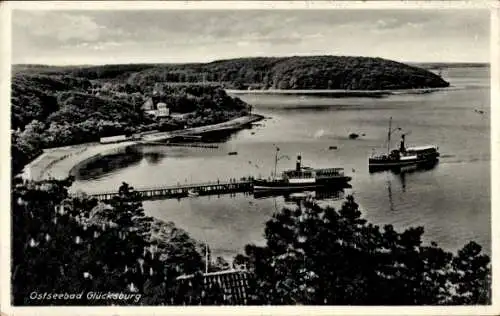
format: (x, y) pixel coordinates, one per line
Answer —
(287, 73)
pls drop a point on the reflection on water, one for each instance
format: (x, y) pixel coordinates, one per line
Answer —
(130, 156)
(103, 164)
(401, 171)
(153, 157)
(300, 194)
(217, 136)
(98, 167)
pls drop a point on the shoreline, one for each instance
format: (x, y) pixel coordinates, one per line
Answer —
(59, 162)
(342, 93)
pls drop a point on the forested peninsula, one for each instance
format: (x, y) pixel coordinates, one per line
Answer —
(297, 72)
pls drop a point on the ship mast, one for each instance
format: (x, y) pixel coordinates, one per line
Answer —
(276, 162)
(276, 159)
(389, 136)
(389, 132)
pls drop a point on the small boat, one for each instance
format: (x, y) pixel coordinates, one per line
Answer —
(353, 136)
(232, 153)
(403, 156)
(193, 193)
(333, 148)
(302, 178)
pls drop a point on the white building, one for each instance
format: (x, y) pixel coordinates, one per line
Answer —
(113, 139)
(162, 110)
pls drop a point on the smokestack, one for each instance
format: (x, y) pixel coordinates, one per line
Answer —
(299, 160)
(402, 147)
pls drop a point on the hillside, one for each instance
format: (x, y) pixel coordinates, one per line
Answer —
(52, 109)
(310, 72)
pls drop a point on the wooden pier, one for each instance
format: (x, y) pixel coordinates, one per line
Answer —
(174, 144)
(179, 191)
(193, 145)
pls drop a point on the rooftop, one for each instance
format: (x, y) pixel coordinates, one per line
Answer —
(233, 284)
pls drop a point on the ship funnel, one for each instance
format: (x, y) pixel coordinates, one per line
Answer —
(299, 160)
(402, 147)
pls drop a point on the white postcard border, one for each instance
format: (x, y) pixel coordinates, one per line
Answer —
(5, 67)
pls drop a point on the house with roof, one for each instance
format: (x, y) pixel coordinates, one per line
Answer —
(159, 110)
(231, 285)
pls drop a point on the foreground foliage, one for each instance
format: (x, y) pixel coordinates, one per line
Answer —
(314, 255)
(75, 245)
(318, 255)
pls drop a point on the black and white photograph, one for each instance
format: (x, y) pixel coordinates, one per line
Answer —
(181, 155)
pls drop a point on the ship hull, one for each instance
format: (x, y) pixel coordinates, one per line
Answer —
(269, 185)
(389, 164)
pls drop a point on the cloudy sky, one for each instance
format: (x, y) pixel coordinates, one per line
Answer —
(99, 37)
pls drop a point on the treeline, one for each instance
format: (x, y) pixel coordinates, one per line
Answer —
(185, 98)
(307, 72)
(51, 110)
(313, 255)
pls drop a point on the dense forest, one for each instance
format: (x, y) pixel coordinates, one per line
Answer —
(313, 255)
(51, 110)
(311, 72)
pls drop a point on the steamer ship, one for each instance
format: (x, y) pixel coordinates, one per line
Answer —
(302, 178)
(403, 156)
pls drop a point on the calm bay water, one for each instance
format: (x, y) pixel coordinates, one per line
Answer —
(451, 201)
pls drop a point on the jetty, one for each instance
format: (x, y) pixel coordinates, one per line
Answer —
(169, 144)
(183, 190)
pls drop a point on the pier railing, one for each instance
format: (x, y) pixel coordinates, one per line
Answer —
(183, 190)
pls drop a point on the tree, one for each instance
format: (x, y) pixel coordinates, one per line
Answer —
(81, 245)
(316, 255)
(472, 276)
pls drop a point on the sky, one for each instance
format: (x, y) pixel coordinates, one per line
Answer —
(178, 36)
